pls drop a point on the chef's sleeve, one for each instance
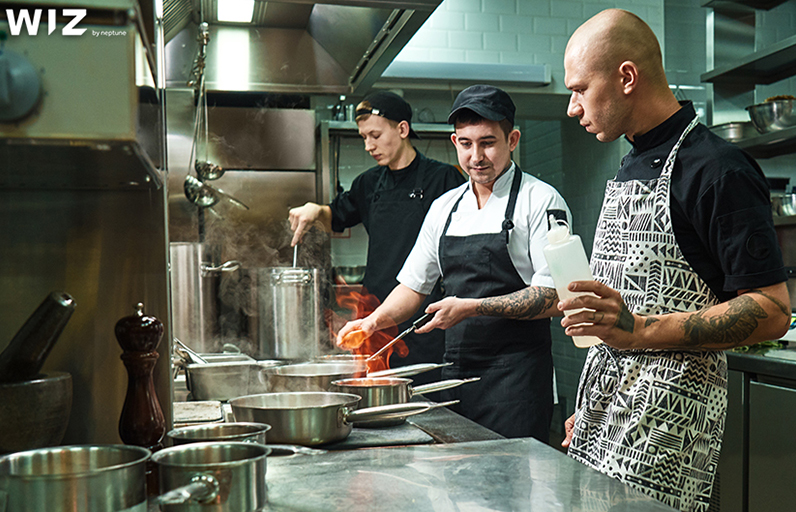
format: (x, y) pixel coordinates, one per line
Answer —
(346, 207)
(545, 201)
(422, 267)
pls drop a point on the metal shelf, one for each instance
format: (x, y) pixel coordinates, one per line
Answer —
(350, 128)
(754, 4)
(770, 144)
(764, 67)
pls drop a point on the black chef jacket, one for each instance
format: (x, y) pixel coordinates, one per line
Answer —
(410, 200)
(719, 202)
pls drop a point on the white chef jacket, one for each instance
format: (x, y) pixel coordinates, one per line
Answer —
(526, 240)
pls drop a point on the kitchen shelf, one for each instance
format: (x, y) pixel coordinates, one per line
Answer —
(754, 4)
(771, 144)
(767, 66)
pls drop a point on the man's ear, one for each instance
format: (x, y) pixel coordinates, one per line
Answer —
(628, 71)
(403, 129)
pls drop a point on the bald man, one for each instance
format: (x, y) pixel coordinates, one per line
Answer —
(686, 264)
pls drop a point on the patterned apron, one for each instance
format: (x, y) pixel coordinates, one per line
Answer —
(653, 419)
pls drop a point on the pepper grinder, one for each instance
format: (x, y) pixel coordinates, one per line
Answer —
(141, 422)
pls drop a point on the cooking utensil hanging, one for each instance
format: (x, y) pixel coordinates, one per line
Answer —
(207, 196)
(420, 322)
(205, 169)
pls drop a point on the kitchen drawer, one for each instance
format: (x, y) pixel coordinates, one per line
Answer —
(772, 453)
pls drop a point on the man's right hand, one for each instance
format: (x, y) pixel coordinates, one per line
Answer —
(302, 218)
(354, 333)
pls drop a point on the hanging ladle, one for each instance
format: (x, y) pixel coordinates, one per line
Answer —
(208, 171)
(206, 196)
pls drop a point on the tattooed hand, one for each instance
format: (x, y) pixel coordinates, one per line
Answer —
(605, 315)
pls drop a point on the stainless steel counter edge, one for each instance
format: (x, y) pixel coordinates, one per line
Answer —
(496, 475)
(758, 363)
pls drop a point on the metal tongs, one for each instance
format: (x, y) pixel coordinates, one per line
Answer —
(420, 322)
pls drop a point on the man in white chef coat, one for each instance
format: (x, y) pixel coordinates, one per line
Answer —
(686, 265)
(485, 239)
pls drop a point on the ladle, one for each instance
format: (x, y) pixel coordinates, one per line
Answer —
(295, 255)
(206, 196)
(208, 170)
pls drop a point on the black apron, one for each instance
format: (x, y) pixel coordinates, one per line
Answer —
(513, 357)
(396, 216)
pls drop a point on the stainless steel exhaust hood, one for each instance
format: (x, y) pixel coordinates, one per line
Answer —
(336, 47)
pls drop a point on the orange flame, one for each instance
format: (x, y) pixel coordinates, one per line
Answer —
(361, 305)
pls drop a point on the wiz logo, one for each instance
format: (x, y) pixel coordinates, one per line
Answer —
(15, 21)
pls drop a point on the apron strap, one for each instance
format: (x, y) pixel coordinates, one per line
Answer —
(417, 192)
(508, 223)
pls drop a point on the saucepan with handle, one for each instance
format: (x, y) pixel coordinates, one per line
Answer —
(315, 418)
(390, 390)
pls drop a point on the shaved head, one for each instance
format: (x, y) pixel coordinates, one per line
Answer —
(614, 36)
(613, 67)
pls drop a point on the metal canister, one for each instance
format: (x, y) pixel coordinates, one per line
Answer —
(295, 302)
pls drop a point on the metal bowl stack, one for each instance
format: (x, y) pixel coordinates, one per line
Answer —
(777, 114)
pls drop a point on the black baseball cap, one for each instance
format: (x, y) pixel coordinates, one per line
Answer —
(487, 101)
(389, 106)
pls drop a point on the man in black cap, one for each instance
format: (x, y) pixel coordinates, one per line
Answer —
(390, 200)
(485, 239)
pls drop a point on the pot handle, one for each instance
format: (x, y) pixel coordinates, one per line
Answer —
(443, 384)
(202, 489)
(296, 449)
(386, 412)
(227, 266)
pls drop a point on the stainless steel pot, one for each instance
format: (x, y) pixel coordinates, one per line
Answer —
(194, 293)
(88, 478)
(308, 376)
(388, 391)
(234, 432)
(315, 418)
(222, 381)
(289, 312)
(216, 477)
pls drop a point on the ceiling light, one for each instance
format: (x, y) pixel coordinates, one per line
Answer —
(235, 11)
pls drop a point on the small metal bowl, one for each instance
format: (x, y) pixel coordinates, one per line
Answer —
(773, 115)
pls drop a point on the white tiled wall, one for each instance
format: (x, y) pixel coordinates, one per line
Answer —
(513, 31)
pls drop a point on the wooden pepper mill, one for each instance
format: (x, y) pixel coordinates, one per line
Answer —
(141, 422)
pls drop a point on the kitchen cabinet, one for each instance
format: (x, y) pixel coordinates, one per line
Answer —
(738, 66)
(772, 456)
(757, 460)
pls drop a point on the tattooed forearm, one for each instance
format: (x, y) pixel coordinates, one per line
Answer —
(777, 302)
(650, 321)
(523, 304)
(728, 330)
(625, 320)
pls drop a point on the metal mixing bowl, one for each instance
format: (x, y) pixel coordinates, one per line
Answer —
(773, 115)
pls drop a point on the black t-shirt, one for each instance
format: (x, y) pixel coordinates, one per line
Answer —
(719, 203)
(352, 207)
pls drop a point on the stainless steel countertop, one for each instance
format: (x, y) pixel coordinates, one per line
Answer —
(774, 362)
(497, 475)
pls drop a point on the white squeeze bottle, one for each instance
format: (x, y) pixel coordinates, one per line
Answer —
(567, 262)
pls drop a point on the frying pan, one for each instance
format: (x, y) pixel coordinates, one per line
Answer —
(390, 390)
(315, 418)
